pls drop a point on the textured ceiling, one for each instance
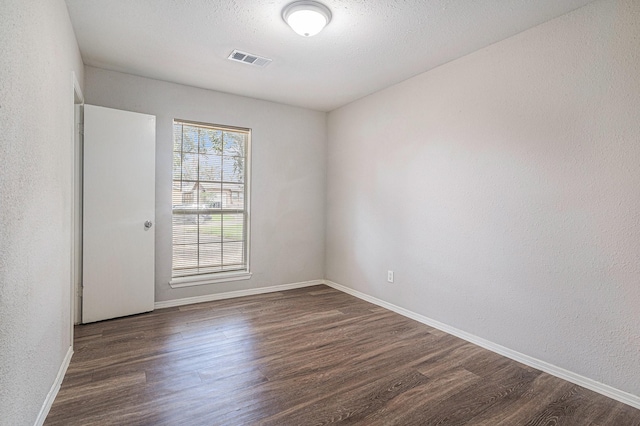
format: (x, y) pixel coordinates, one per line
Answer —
(369, 44)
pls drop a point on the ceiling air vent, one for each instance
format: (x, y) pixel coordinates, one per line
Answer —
(248, 58)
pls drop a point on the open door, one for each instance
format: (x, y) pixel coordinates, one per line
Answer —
(118, 213)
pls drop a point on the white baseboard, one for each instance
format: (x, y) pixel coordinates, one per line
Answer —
(601, 388)
(53, 392)
(232, 294)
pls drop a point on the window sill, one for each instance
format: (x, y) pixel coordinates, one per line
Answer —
(209, 279)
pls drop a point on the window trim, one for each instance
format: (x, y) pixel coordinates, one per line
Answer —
(225, 276)
(203, 279)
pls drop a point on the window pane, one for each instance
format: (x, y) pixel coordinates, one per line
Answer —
(233, 254)
(185, 256)
(185, 229)
(183, 196)
(210, 255)
(177, 137)
(176, 194)
(234, 144)
(233, 227)
(210, 196)
(210, 141)
(189, 139)
(177, 165)
(233, 169)
(210, 228)
(210, 168)
(232, 196)
(190, 167)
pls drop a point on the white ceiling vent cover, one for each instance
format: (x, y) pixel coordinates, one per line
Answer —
(249, 58)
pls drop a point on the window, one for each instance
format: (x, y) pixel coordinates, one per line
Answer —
(210, 196)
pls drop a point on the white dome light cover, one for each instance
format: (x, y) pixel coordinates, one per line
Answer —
(306, 18)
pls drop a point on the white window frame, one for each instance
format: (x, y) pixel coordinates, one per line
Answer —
(225, 276)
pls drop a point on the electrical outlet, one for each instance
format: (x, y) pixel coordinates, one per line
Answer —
(390, 276)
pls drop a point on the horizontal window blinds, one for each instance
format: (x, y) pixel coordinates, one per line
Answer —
(209, 199)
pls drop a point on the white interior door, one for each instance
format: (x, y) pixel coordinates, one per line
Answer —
(118, 206)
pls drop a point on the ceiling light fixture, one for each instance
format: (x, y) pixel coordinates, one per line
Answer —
(306, 18)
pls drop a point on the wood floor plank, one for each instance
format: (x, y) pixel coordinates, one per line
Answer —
(411, 407)
(306, 356)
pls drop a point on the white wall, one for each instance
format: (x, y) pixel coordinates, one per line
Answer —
(504, 190)
(288, 174)
(38, 53)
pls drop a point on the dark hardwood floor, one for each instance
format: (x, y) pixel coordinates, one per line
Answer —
(310, 356)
